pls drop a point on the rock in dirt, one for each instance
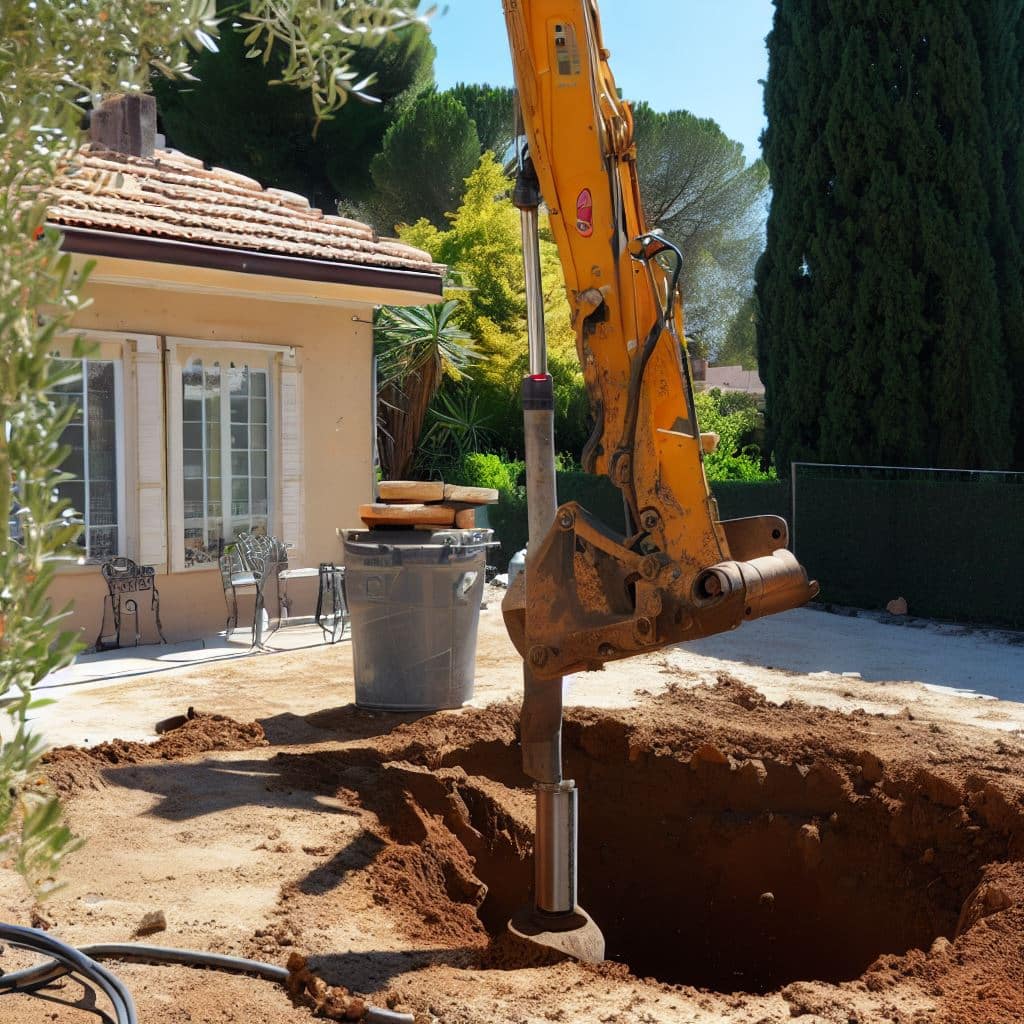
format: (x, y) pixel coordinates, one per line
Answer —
(987, 899)
(708, 753)
(151, 923)
(871, 769)
(897, 606)
(809, 844)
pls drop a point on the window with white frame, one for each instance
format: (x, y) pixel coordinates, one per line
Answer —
(226, 464)
(96, 490)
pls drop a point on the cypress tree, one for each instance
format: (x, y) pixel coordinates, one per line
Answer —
(999, 28)
(883, 338)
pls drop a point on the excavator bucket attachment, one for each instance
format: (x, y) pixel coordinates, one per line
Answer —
(592, 599)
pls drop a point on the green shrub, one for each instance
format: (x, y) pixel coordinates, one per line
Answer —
(480, 469)
(734, 418)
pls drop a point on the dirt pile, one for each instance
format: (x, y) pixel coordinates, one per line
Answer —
(69, 769)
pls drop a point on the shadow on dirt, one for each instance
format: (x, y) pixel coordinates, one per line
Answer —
(360, 852)
(376, 969)
(344, 723)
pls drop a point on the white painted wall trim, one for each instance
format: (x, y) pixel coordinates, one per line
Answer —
(292, 489)
(175, 483)
(150, 462)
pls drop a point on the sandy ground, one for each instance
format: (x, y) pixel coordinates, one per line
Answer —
(366, 839)
(836, 661)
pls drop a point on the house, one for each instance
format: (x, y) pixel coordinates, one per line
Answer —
(232, 382)
(733, 378)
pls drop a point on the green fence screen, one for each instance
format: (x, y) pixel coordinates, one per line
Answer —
(952, 544)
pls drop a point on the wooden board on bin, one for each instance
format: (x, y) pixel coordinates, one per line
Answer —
(406, 515)
(410, 490)
(465, 519)
(470, 495)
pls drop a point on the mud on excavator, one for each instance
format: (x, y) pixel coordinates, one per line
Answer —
(590, 595)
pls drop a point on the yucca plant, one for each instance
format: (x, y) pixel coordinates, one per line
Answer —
(456, 426)
(416, 348)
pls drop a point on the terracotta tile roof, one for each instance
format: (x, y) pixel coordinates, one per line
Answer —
(174, 196)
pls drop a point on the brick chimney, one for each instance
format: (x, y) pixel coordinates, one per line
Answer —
(125, 123)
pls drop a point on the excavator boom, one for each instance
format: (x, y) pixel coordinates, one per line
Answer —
(591, 595)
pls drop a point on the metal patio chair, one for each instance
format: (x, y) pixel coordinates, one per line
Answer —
(259, 560)
(126, 580)
(236, 575)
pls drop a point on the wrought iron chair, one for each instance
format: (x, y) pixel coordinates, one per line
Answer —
(284, 574)
(124, 577)
(253, 562)
(263, 554)
(332, 614)
(236, 576)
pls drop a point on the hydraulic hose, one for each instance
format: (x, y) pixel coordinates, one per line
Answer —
(65, 959)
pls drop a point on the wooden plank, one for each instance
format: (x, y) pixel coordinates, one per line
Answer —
(406, 515)
(470, 495)
(465, 519)
(411, 490)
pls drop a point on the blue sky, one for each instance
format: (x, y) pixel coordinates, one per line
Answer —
(706, 56)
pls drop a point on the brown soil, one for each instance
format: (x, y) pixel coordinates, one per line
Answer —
(69, 769)
(748, 863)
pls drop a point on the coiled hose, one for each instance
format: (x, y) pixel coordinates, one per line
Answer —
(65, 959)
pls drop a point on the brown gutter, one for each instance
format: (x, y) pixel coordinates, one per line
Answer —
(90, 242)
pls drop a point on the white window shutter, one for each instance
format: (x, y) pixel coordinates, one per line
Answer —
(149, 417)
(292, 491)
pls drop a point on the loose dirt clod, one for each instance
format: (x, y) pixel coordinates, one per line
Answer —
(332, 1002)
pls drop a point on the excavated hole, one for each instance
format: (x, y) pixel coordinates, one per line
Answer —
(743, 877)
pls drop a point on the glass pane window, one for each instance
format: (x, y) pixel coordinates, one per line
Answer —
(225, 453)
(94, 490)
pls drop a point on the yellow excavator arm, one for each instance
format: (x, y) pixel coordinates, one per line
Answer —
(590, 595)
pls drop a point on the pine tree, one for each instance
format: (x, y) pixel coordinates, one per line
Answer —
(422, 167)
(881, 337)
(240, 116)
(492, 110)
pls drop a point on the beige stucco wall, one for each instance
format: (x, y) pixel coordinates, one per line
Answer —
(334, 358)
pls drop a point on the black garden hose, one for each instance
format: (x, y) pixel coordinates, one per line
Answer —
(65, 959)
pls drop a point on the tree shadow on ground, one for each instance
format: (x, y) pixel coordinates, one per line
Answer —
(376, 969)
(359, 853)
(193, 790)
(344, 723)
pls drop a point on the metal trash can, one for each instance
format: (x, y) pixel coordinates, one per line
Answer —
(414, 600)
